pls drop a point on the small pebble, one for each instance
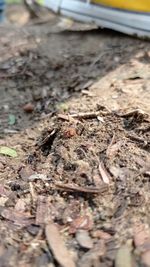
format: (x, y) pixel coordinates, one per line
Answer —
(84, 239)
(28, 108)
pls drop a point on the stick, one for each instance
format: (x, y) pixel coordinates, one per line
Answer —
(76, 188)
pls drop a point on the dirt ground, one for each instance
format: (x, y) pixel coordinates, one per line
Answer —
(75, 108)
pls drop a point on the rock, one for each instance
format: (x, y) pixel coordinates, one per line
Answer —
(84, 239)
(25, 173)
(124, 257)
(28, 108)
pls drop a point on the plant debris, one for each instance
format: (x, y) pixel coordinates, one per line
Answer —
(124, 257)
(7, 151)
(84, 239)
(74, 146)
(57, 246)
(142, 242)
(75, 188)
(104, 174)
(19, 218)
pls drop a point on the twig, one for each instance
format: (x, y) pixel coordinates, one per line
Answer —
(104, 174)
(76, 188)
(131, 113)
(49, 138)
(138, 139)
(98, 58)
(32, 192)
(143, 129)
(102, 110)
(86, 115)
(65, 117)
(137, 112)
(46, 116)
(111, 144)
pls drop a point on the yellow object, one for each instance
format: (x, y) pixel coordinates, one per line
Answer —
(128, 16)
(130, 5)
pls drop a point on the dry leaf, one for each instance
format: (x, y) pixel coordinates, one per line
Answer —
(82, 222)
(104, 174)
(142, 242)
(57, 246)
(20, 205)
(43, 211)
(19, 218)
(84, 239)
(124, 257)
(4, 192)
(101, 235)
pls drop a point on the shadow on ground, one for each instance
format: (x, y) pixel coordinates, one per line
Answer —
(45, 68)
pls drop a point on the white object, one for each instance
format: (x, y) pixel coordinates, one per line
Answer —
(133, 23)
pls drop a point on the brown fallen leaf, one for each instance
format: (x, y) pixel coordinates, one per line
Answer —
(57, 246)
(19, 218)
(142, 242)
(124, 257)
(104, 174)
(4, 192)
(84, 240)
(101, 235)
(82, 222)
(76, 188)
(20, 205)
(43, 210)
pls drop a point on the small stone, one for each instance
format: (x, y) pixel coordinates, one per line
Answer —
(70, 132)
(25, 173)
(28, 108)
(33, 229)
(84, 239)
(101, 235)
(124, 257)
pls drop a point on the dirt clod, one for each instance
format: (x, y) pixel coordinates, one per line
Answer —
(28, 108)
